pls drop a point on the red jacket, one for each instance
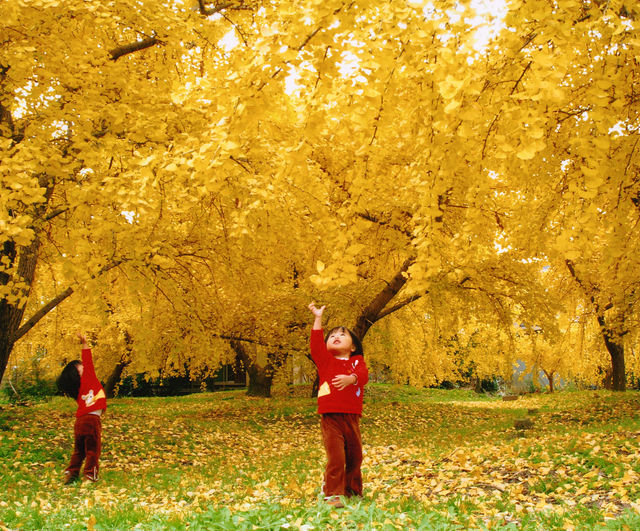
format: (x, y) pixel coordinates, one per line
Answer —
(330, 399)
(91, 396)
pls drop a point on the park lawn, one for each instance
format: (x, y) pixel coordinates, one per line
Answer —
(434, 459)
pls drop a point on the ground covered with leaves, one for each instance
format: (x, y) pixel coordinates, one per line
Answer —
(434, 459)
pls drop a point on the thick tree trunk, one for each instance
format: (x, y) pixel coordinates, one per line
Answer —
(616, 351)
(114, 379)
(260, 377)
(372, 312)
(27, 258)
(5, 349)
(11, 315)
(611, 339)
(617, 365)
(618, 372)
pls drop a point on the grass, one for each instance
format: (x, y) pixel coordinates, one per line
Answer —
(434, 459)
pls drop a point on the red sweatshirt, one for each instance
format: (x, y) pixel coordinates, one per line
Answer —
(330, 399)
(91, 396)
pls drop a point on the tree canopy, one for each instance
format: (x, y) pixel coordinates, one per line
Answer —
(194, 173)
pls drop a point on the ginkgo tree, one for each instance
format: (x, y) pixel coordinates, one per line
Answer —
(506, 147)
(90, 128)
(579, 193)
(399, 154)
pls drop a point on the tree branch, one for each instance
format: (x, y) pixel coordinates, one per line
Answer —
(41, 313)
(399, 305)
(126, 49)
(409, 300)
(526, 68)
(55, 213)
(33, 320)
(378, 221)
(370, 314)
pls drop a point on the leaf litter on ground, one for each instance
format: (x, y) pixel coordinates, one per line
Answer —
(433, 459)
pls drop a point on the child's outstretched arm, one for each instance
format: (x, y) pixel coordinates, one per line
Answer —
(318, 347)
(317, 312)
(86, 356)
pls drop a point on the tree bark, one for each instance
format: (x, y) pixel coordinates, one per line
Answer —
(260, 377)
(371, 313)
(27, 256)
(136, 46)
(114, 379)
(550, 378)
(616, 352)
(614, 346)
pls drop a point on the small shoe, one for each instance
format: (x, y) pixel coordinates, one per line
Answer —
(335, 501)
(69, 478)
(91, 474)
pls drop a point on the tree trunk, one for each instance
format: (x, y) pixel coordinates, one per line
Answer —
(260, 377)
(371, 313)
(619, 379)
(5, 348)
(11, 315)
(611, 339)
(375, 310)
(114, 379)
(616, 351)
(550, 378)
(27, 256)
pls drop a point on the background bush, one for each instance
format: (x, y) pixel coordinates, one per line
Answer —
(26, 382)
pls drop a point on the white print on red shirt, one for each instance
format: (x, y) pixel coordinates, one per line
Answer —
(89, 399)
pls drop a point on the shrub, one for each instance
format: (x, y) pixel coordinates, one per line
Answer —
(25, 382)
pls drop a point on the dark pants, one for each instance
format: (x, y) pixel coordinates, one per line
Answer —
(343, 444)
(87, 434)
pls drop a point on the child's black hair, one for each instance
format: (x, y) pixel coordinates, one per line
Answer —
(69, 380)
(354, 339)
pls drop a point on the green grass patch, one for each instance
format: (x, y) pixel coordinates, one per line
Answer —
(434, 459)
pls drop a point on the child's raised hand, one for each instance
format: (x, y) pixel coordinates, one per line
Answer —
(316, 311)
(82, 338)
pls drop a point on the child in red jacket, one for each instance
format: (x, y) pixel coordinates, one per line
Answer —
(343, 375)
(79, 381)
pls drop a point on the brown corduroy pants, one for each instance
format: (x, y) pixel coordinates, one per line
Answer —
(87, 445)
(343, 444)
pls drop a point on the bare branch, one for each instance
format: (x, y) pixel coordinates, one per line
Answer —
(526, 68)
(309, 37)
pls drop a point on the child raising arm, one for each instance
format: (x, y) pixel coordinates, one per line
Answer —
(343, 375)
(79, 381)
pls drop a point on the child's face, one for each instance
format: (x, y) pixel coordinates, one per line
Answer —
(339, 343)
(80, 368)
